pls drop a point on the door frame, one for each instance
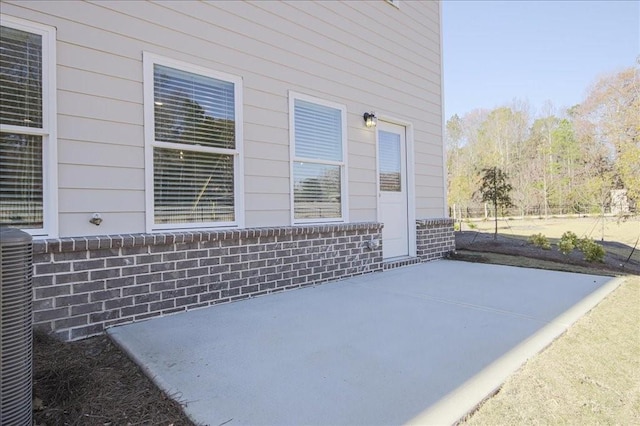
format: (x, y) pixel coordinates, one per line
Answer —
(410, 177)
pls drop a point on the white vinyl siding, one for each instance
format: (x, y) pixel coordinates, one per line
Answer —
(318, 169)
(193, 127)
(28, 181)
(323, 49)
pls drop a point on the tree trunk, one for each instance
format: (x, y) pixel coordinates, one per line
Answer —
(495, 214)
(495, 201)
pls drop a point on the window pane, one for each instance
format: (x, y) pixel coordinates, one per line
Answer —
(316, 191)
(318, 131)
(21, 180)
(192, 186)
(20, 78)
(193, 109)
(389, 158)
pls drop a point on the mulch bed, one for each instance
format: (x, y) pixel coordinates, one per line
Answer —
(92, 382)
(484, 242)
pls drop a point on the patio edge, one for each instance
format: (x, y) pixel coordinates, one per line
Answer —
(470, 395)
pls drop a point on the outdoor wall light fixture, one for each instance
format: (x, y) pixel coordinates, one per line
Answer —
(370, 119)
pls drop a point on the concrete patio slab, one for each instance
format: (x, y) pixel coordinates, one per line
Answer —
(421, 344)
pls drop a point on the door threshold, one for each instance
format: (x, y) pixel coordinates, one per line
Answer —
(398, 262)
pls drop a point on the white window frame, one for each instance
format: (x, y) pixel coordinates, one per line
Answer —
(48, 132)
(344, 190)
(149, 60)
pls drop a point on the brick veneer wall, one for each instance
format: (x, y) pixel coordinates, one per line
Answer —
(83, 285)
(434, 238)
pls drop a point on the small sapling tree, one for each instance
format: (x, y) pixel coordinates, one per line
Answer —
(495, 189)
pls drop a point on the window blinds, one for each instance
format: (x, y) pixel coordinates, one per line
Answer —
(193, 109)
(20, 78)
(318, 131)
(21, 177)
(21, 180)
(390, 163)
(193, 184)
(317, 192)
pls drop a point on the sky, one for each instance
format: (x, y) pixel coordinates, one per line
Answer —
(498, 51)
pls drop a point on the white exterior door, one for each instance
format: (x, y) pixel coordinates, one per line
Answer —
(392, 190)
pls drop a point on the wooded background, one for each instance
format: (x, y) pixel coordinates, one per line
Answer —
(558, 161)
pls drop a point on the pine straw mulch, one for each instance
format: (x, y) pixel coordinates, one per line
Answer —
(92, 382)
(472, 246)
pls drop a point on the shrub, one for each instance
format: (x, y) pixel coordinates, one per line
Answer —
(539, 240)
(565, 246)
(568, 242)
(456, 226)
(593, 252)
(583, 242)
(570, 236)
(471, 225)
